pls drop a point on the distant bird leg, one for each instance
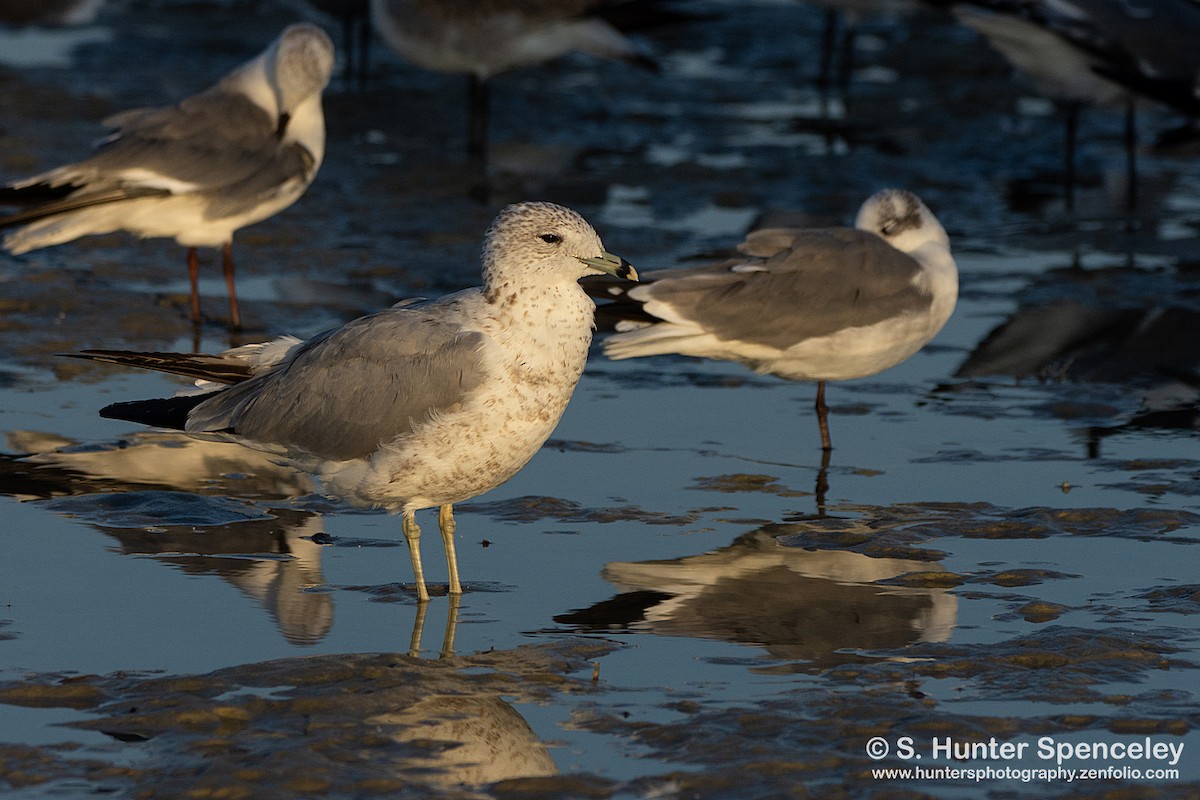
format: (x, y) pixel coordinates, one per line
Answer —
(193, 263)
(836, 66)
(235, 319)
(846, 62)
(1070, 129)
(478, 124)
(412, 535)
(1131, 186)
(447, 526)
(364, 50)
(823, 417)
(358, 52)
(828, 44)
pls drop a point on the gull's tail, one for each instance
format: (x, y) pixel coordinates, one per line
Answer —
(56, 214)
(167, 412)
(218, 369)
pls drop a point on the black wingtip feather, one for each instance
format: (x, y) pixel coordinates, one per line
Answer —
(167, 412)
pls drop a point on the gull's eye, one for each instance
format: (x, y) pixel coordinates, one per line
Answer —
(889, 228)
(550, 238)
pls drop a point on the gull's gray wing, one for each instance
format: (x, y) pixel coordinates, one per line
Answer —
(341, 394)
(218, 142)
(794, 285)
(179, 141)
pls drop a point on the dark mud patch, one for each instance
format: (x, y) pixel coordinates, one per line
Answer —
(371, 725)
(906, 523)
(147, 509)
(1175, 599)
(741, 482)
(1055, 665)
(407, 592)
(663, 379)
(1039, 611)
(532, 508)
(815, 737)
(564, 446)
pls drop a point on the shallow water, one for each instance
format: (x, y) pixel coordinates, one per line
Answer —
(675, 598)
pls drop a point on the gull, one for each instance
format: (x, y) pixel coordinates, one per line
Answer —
(235, 154)
(1107, 53)
(49, 12)
(483, 39)
(421, 404)
(821, 304)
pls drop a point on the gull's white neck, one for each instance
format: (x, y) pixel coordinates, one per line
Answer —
(546, 325)
(939, 277)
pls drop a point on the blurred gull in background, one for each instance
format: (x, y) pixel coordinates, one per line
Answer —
(49, 12)
(1107, 53)
(226, 158)
(484, 39)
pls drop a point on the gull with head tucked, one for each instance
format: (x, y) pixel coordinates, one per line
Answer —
(235, 154)
(821, 304)
(421, 404)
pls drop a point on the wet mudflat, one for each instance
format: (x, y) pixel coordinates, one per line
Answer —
(676, 598)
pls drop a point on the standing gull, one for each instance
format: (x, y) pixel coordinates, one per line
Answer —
(822, 304)
(419, 405)
(488, 37)
(228, 157)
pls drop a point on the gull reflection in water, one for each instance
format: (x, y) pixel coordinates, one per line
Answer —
(382, 723)
(816, 606)
(191, 504)
(490, 741)
(1146, 354)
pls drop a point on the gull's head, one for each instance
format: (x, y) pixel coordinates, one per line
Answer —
(547, 241)
(299, 64)
(901, 219)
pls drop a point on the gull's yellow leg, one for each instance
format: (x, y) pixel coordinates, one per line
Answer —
(447, 526)
(412, 534)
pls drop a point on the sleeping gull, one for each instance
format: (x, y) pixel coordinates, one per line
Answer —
(422, 404)
(822, 304)
(483, 39)
(228, 157)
